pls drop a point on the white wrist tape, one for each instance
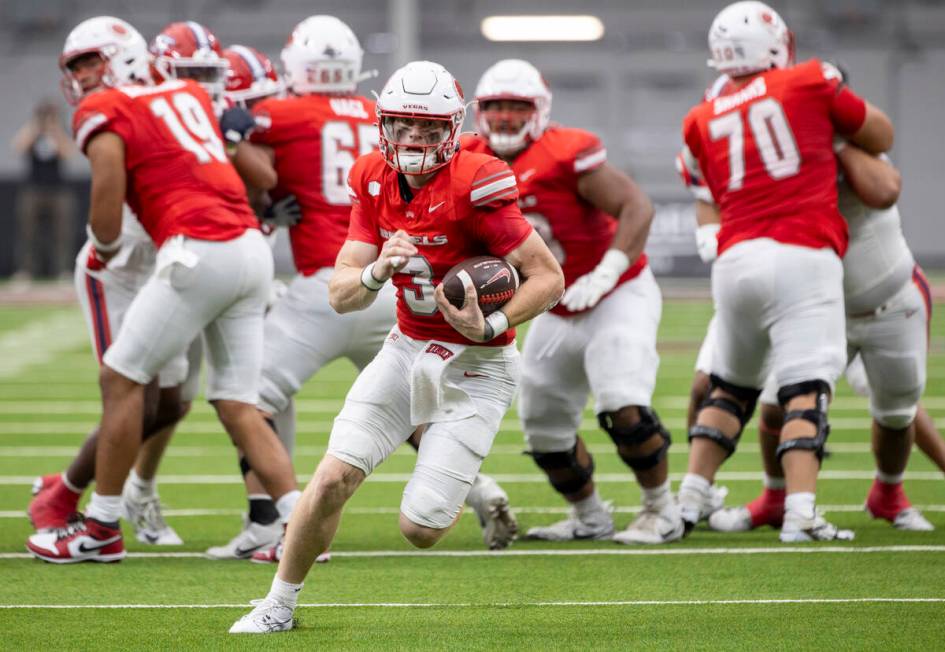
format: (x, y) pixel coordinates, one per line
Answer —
(616, 261)
(369, 281)
(496, 324)
(104, 247)
(707, 242)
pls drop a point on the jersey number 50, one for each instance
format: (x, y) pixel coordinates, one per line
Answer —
(774, 141)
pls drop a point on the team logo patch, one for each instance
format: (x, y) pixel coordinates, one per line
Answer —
(374, 188)
(438, 349)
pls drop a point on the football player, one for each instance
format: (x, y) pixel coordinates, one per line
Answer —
(602, 336)
(324, 126)
(159, 147)
(765, 149)
(188, 50)
(420, 206)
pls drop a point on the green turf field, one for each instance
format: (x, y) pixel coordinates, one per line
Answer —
(885, 590)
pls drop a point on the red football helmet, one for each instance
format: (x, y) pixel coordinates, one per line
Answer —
(251, 76)
(188, 50)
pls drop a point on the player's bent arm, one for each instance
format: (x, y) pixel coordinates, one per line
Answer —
(106, 153)
(255, 166)
(876, 134)
(543, 282)
(874, 180)
(346, 292)
(615, 193)
(707, 213)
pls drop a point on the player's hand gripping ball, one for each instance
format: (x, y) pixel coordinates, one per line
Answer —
(494, 280)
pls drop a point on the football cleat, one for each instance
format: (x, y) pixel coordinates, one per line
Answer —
(889, 502)
(597, 526)
(766, 509)
(695, 505)
(82, 540)
(798, 529)
(144, 514)
(252, 538)
(491, 504)
(53, 505)
(911, 520)
(731, 519)
(273, 554)
(267, 617)
(653, 526)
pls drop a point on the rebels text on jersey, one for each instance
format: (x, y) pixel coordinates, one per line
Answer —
(468, 209)
(765, 152)
(316, 139)
(180, 181)
(576, 232)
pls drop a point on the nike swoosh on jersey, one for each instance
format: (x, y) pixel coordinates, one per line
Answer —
(435, 206)
(470, 374)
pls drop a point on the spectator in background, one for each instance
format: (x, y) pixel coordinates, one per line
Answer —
(44, 195)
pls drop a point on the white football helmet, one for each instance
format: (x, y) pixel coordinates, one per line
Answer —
(120, 45)
(749, 37)
(421, 90)
(513, 79)
(322, 55)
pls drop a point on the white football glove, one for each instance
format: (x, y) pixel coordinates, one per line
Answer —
(585, 292)
(707, 242)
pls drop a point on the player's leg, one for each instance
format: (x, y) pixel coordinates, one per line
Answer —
(451, 452)
(894, 352)
(374, 421)
(699, 390)
(809, 346)
(929, 439)
(551, 403)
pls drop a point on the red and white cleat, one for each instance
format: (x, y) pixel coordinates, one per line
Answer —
(274, 554)
(54, 505)
(82, 540)
(766, 509)
(889, 502)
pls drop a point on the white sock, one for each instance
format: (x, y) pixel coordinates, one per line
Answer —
(889, 478)
(286, 503)
(106, 509)
(694, 482)
(144, 487)
(772, 482)
(590, 505)
(285, 593)
(801, 503)
(71, 487)
(657, 496)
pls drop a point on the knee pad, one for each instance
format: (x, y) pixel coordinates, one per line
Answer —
(895, 419)
(816, 416)
(749, 395)
(565, 461)
(636, 434)
(424, 505)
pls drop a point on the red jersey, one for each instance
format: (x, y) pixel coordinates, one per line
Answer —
(180, 181)
(467, 209)
(576, 232)
(765, 150)
(316, 139)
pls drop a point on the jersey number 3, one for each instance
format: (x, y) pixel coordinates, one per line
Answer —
(773, 139)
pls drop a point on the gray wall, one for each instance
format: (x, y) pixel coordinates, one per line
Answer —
(633, 87)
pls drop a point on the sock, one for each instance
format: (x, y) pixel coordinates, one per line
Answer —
(657, 496)
(285, 504)
(106, 509)
(694, 482)
(588, 506)
(71, 487)
(144, 487)
(262, 510)
(474, 497)
(889, 478)
(285, 593)
(772, 482)
(801, 503)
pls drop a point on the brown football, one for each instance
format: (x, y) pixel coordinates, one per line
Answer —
(494, 279)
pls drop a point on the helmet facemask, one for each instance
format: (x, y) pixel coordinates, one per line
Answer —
(510, 124)
(417, 145)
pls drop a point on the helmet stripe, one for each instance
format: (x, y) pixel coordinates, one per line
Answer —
(203, 41)
(251, 60)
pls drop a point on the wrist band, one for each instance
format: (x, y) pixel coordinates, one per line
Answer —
(496, 324)
(368, 280)
(104, 247)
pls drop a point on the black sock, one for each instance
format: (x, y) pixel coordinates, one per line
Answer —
(262, 510)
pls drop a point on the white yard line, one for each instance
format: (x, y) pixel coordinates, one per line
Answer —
(574, 552)
(40, 341)
(510, 478)
(499, 605)
(373, 511)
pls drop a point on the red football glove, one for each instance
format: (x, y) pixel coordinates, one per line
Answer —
(95, 263)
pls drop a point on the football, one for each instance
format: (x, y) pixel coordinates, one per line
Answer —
(495, 281)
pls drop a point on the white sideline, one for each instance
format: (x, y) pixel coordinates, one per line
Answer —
(569, 552)
(371, 511)
(496, 605)
(510, 478)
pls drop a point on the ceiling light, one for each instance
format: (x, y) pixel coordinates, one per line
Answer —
(542, 28)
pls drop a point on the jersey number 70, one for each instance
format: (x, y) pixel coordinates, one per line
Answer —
(774, 140)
